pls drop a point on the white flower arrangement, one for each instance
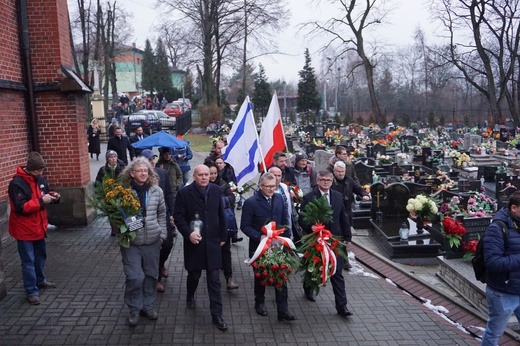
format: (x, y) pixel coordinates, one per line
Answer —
(422, 206)
(384, 158)
(402, 156)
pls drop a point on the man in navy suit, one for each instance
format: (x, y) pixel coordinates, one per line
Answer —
(339, 227)
(263, 207)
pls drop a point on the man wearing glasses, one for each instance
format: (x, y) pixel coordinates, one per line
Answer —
(339, 227)
(263, 207)
(29, 194)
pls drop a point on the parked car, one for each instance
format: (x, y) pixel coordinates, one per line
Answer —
(148, 120)
(185, 101)
(173, 110)
(168, 123)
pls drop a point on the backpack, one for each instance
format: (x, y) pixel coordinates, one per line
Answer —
(231, 221)
(477, 262)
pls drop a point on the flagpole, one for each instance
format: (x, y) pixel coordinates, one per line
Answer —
(258, 141)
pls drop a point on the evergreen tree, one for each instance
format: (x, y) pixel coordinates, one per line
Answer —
(262, 93)
(309, 100)
(162, 70)
(148, 69)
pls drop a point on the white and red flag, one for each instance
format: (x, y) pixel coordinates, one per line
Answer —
(272, 136)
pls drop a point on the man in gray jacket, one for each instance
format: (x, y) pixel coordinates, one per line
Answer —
(141, 258)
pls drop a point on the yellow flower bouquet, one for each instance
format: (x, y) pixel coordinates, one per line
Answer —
(118, 203)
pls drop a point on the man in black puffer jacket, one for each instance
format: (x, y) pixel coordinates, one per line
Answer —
(502, 258)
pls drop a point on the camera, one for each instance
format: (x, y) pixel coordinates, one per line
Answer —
(54, 194)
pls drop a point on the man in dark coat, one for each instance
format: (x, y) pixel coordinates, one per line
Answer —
(201, 201)
(263, 207)
(138, 135)
(347, 186)
(339, 227)
(120, 145)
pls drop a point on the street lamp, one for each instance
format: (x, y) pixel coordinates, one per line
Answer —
(285, 101)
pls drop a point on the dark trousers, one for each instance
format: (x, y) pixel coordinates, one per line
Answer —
(281, 296)
(213, 285)
(226, 259)
(166, 248)
(338, 284)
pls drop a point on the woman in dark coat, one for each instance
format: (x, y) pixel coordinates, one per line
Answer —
(93, 133)
(226, 248)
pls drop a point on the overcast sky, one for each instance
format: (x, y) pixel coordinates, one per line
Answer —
(405, 17)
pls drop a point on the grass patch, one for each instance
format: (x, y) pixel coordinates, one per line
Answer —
(199, 142)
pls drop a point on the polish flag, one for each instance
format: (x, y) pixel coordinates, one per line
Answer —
(272, 136)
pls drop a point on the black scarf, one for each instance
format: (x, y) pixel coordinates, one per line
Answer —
(141, 191)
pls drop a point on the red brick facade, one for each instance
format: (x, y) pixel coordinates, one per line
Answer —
(60, 115)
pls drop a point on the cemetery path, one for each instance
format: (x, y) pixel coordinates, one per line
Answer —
(87, 307)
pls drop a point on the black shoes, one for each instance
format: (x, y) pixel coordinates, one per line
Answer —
(190, 303)
(219, 322)
(47, 284)
(310, 295)
(286, 316)
(345, 312)
(260, 309)
(239, 205)
(347, 266)
(236, 239)
(133, 319)
(150, 314)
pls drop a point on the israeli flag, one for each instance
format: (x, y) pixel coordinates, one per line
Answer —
(242, 151)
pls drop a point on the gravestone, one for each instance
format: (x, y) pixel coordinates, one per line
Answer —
(501, 145)
(321, 159)
(433, 182)
(364, 172)
(379, 135)
(507, 134)
(503, 196)
(421, 136)
(471, 140)
(391, 200)
(410, 140)
(418, 189)
(378, 149)
(469, 185)
(400, 170)
(475, 227)
(310, 129)
(488, 172)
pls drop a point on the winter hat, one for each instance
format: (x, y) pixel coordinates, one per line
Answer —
(299, 157)
(35, 161)
(164, 150)
(110, 153)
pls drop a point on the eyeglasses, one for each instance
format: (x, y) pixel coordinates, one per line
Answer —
(325, 180)
(140, 171)
(269, 186)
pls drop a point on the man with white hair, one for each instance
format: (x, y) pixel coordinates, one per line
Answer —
(347, 187)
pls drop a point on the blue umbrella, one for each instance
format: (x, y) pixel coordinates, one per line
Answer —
(160, 139)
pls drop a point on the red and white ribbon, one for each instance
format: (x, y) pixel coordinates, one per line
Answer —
(271, 234)
(328, 256)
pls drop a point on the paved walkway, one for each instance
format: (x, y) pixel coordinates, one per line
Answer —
(87, 307)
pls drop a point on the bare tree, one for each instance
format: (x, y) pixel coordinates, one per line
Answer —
(347, 30)
(487, 53)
